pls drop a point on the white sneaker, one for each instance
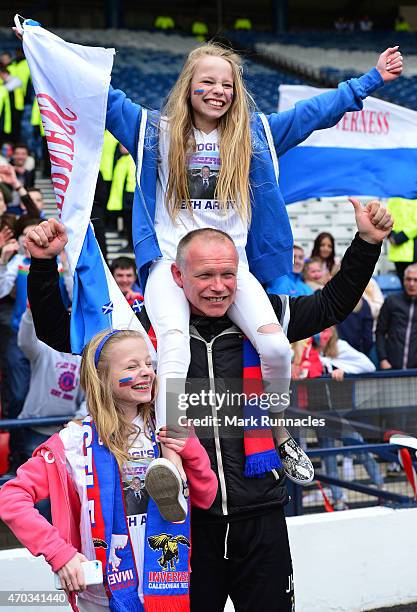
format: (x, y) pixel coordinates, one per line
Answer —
(166, 487)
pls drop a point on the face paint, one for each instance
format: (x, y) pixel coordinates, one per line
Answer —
(198, 92)
(125, 382)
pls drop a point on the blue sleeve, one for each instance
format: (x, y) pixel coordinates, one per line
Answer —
(293, 126)
(123, 119)
(279, 286)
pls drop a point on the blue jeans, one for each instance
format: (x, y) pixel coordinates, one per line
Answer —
(367, 460)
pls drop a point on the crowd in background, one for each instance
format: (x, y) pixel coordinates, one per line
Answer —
(37, 381)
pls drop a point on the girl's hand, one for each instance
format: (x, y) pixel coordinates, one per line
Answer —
(338, 375)
(173, 437)
(17, 34)
(72, 575)
(390, 64)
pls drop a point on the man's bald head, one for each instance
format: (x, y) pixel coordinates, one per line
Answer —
(207, 235)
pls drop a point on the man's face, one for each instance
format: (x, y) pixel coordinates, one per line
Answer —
(209, 276)
(20, 156)
(410, 283)
(205, 172)
(298, 261)
(124, 278)
(135, 484)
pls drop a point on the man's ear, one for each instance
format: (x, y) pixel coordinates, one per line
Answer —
(176, 275)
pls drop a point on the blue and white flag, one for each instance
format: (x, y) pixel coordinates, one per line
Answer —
(71, 84)
(369, 152)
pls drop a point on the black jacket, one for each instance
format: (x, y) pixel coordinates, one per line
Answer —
(398, 313)
(216, 354)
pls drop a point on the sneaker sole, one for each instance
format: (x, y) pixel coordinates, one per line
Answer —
(165, 489)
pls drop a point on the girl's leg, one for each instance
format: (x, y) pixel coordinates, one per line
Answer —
(252, 312)
(169, 313)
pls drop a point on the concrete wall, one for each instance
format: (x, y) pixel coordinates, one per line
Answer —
(343, 561)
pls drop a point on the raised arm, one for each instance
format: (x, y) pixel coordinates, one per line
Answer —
(293, 126)
(123, 119)
(51, 320)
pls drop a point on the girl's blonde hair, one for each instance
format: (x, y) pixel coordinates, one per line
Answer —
(331, 350)
(112, 427)
(235, 137)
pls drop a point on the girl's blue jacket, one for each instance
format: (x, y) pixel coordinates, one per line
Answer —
(269, 246)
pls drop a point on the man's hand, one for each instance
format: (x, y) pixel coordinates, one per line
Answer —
(374, 221)
(173, 437)
(8, 176)
(385, 365)
(9, 249)
(390, 64)
(47, 240)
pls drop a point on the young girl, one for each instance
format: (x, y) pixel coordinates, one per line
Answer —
(313, 273)
(208, 123)
(87, 471)
(324, 250)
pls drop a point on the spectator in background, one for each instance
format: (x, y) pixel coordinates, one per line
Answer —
(14, 267)
(124, 273)
(54, 386)
(324, 249)
(338, 358)
(401, 248)
(28, 201)
(313, 274)
(401, 25)
(24, 165)
(373, 295)
(356, 329)
(396, 330)
(366, 24)
(5, 115)
(17, 102)
(122, 192)
(291, 284)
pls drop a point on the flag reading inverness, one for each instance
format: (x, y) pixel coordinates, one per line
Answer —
(368, 152)
(71, 83)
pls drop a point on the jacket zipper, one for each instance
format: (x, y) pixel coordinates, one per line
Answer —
(407, 335)
(222, 479)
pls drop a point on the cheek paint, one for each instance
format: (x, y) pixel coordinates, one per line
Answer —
(125, 382)
(198, 92)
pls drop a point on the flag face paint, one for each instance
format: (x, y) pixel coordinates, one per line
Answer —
(198, 92)
(125, 382)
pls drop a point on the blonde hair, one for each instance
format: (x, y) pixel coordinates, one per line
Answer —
(112, 427)
(235, 138)
(331, 350)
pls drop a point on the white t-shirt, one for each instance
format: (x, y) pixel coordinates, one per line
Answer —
(202, 171)
(141, 453)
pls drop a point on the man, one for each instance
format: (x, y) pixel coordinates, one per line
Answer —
(203, 185)
(136, 498)
(19, 161)
(402, 246)
(292, 284)
(123, 270)
(396, 330)
(240, 545)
